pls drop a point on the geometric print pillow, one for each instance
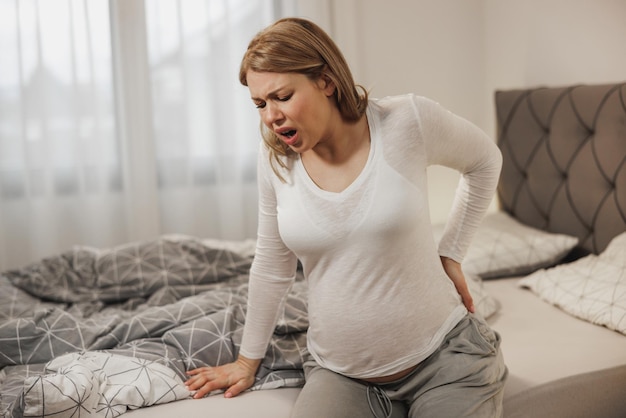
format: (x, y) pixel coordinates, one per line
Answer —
(592, 288)
(502, 246)
(98, 384)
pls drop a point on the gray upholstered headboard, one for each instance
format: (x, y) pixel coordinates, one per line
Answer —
(564, 152)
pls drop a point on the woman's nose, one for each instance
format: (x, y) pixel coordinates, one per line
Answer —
(272, 114)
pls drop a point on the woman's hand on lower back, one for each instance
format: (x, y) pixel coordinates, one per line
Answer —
(455, 273)
(234, 377)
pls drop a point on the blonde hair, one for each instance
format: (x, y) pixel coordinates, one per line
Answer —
(295, 45)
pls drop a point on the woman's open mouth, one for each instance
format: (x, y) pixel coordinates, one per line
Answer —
(289, 136)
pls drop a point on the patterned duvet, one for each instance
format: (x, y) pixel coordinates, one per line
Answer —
(93, 332)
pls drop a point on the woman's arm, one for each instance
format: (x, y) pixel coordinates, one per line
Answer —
(456, 143)
(271, 276)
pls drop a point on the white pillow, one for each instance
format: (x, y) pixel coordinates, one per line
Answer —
(592, 288)
(502, 246)
(100, 384)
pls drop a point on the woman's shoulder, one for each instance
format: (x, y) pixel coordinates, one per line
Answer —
(402, 99)
(404, 105)
(408, 106)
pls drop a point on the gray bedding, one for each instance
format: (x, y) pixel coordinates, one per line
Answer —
(103, 331)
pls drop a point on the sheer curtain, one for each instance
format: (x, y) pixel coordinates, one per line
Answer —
(123, 120)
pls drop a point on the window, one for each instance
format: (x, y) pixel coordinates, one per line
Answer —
(122, 120)
(57, 129)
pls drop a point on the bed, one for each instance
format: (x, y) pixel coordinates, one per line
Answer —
(104, 332)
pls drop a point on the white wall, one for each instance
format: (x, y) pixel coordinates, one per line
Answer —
(459, 52)
(552, 43)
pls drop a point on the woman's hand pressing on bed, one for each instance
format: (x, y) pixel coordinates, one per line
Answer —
(455, 273)
(234, 377)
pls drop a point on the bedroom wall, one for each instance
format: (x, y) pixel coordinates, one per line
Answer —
(552, 42)
(459, 52)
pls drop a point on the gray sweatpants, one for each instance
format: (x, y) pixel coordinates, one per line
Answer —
(463, 378)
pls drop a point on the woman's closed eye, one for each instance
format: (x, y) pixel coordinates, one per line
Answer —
(280, 98)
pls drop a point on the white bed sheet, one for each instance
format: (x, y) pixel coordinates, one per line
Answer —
(540, 344)
(272, 403)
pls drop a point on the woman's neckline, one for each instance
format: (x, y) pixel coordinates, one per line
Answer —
(358, 179)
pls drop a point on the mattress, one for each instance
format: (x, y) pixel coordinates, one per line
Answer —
(271, 403)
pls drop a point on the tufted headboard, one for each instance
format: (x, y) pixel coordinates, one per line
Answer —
(564, 152)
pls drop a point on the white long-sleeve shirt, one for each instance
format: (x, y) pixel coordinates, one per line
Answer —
(379, 300)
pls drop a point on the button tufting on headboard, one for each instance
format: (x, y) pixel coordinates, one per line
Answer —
(564, 152)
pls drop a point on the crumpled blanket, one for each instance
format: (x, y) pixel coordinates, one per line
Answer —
(167, 304)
